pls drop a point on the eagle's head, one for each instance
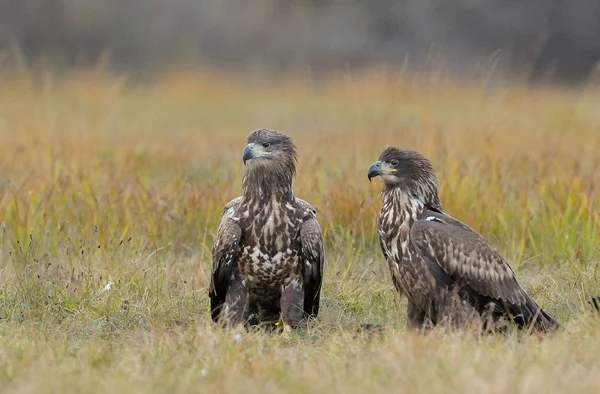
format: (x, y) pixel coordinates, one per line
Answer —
(269, 146)
(408, 170)
(270, 153)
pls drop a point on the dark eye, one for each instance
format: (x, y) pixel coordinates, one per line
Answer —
(394, 162)
(266, 144)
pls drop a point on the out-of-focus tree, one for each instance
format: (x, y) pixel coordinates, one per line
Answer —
(555, 39)
(36, 29)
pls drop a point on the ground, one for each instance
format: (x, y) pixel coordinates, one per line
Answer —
(111, 190)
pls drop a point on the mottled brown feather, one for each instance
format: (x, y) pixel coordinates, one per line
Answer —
(225, 251)
(448, 271)
(268, 243)
(466, 256)
(311, 239)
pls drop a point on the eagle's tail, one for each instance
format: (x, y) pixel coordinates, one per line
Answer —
(541, 321)
(544, 322)
(595, 302)
(531, 315)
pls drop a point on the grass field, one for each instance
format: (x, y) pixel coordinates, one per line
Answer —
(104, 181)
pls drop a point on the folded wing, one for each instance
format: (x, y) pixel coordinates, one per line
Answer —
(466, 257)
(311, 239)
(225, 252)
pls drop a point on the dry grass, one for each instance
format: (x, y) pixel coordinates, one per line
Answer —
(101, 180)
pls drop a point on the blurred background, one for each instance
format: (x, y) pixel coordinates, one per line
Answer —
(555, 41)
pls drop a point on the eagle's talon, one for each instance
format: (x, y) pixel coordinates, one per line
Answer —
(286, 329)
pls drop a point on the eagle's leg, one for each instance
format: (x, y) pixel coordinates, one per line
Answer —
(236, 303)
(415, 316)
(292, 304)
(456, 312)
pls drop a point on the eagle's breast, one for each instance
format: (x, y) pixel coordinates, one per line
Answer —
(270, 255)
(260, 268)
(398, 213)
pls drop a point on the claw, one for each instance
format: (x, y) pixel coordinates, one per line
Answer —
(285, 328)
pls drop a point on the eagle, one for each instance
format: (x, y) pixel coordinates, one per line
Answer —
(267, 254)
(450, 274)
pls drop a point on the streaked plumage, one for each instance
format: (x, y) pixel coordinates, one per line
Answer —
(268, 250)
(449, 272)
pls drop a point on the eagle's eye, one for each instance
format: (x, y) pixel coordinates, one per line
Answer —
(394, 162)
(266, 144)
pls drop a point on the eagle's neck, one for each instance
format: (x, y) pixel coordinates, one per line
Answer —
(261, 184)
(401, 208)
(412, 198)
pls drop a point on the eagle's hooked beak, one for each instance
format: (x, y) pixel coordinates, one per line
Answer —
(379, 168)
(252, 151)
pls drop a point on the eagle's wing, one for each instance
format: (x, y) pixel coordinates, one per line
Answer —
(311, 240)
(468, 259)
(466, 256)
(225, 251)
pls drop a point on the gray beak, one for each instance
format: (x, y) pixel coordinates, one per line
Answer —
(248, 153)
(374, 170)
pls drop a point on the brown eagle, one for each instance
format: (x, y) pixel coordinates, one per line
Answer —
(267, 254)
(450, 274)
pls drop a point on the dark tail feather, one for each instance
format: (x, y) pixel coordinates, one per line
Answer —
(216, 303)
(531, 315)
(544, 322)
(595, 303)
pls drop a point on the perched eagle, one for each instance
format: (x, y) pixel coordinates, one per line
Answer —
(267, 254)
(450, 274)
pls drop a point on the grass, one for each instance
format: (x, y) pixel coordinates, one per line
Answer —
(104, 181)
